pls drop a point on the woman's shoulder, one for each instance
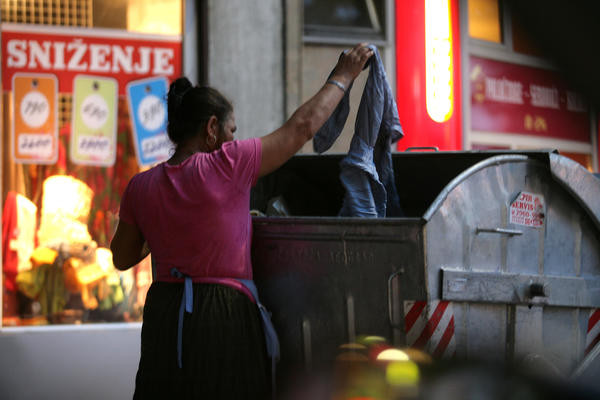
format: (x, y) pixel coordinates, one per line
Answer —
(146, 175)
(241, 146)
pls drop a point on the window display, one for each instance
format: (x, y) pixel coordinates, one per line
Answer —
(83, 111)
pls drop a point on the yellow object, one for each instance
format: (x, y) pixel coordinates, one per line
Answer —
(392, 355)
(89, 274)
(439, 81)
(66, 205)
(83, 278)
(154, 16)
(79, 274)
(43, 255)
(418, 356)
(370, 340)
(402, 373)
(484, 20)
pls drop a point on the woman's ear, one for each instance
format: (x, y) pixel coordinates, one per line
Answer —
(212, 126)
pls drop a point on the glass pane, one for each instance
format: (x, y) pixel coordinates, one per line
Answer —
(145, 16)
(57, 263)
(522, 41)
(58, 215)
(484, 20)
(345, 13)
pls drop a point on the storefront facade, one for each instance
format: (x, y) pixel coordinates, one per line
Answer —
(470, 77)
(83, 85)
(114, 60)
(83, 110)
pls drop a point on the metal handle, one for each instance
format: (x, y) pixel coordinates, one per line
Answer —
(502, 231)
(537, 290)
(390, 301)
(351, 319)
(434, 148)
(306, 339)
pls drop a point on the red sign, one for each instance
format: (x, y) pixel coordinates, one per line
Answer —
(509, 98)
(419, 129)
(67, 52)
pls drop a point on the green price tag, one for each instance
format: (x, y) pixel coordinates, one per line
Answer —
(94, 130)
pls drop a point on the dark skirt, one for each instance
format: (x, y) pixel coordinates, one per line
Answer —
(223, 354)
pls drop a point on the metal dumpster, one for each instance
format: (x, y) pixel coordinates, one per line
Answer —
(497, 256)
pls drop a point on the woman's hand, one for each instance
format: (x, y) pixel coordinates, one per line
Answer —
(351, 64)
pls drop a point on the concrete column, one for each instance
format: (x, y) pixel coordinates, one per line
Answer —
(246, 61)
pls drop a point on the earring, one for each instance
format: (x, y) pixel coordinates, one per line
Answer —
(212, 141)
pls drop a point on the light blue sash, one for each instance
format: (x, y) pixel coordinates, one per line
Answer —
(187, 304)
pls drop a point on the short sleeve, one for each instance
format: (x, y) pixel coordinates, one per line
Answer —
(244, 157)
(126, 208)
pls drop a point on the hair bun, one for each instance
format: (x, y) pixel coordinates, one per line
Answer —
(177, 90)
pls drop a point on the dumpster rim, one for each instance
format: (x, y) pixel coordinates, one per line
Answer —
(495, 160)
(305, 220)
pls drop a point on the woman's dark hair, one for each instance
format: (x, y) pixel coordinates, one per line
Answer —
(190, 107)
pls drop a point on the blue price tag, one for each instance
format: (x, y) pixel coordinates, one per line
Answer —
(147, 101)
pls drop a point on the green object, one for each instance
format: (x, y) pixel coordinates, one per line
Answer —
(94, 131)
(402, 373)
(46, 284)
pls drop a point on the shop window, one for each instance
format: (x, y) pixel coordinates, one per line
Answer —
(521, 39)
(59, 211)
(342, 18)
(48, 12)
(146, 16)
(485, 21)
(149, 16)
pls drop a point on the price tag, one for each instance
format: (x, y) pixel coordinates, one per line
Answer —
(147, 103)
(34, 130)
(94, 130)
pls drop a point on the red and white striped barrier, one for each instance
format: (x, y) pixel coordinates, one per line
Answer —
(430, 327)
(593, 331)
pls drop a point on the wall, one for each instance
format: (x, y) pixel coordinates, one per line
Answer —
(317, 63)
(69, 362)
(245, 61)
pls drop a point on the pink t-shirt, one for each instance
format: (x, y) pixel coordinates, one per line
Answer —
(195, 216)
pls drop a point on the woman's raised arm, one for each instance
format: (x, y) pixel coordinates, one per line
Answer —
(280, 145)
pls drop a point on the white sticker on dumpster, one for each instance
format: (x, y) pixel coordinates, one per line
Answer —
(528, 209)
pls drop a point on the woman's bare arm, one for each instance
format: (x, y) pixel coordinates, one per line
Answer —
(128, 246)
(283, 143)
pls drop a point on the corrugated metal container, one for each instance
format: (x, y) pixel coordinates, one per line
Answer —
(497, 257)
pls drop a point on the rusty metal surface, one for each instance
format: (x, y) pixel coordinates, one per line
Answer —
(327, 280)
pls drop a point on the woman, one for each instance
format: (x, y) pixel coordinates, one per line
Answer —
(192, 213)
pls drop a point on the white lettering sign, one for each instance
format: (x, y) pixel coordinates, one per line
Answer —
(78, 56)
(151, 113)
(96, 147)
(94, 111)
(504, 90)
(528, 209)
(542, 96)
(157, 147)
(34, 109)
(576, 102)
(37, 145)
